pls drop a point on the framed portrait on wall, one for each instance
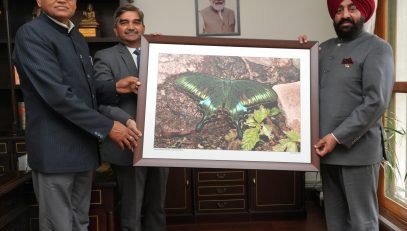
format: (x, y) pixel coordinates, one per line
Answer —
(217, 17)
(227, 103)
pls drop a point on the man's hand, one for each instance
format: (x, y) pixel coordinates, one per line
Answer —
(131, 124)
(325, 145)
(123, 136)
(128, 84)
(302, 39)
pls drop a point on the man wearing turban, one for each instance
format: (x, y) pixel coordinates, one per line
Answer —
(356, 74)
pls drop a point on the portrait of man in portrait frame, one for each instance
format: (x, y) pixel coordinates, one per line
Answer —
(217, 17)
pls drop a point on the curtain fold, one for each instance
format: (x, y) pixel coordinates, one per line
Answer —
(370, 25)
(382, 18)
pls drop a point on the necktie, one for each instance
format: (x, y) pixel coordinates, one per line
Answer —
(137, 53)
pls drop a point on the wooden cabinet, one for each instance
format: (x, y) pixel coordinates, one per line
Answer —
(13, 206)
(276, 194)
(248, 194)
(5, 156)
(179, 188)
(11, 148)
(220, 191)
(103, 205)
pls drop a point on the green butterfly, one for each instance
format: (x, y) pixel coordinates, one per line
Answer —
(216, 94)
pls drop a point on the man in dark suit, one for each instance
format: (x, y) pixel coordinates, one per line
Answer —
(356, 74)
(63, 125)
(142, 189)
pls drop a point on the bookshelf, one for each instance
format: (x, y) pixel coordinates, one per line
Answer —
(14, 180)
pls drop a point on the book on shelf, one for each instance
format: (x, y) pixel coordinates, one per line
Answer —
(16, 76)
(21, 115)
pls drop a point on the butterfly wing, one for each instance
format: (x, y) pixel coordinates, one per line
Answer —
(213, 93)
(208, 90)
(244, 94)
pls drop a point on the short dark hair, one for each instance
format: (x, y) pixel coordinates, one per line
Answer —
(125, 8)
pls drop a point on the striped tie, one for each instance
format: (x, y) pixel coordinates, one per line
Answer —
(137, 53)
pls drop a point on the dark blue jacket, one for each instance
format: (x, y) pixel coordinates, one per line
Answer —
(63, 125)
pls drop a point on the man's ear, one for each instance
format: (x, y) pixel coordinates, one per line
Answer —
(115, 31)
(39, 3)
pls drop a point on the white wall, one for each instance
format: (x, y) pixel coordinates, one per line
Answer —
(263, 19)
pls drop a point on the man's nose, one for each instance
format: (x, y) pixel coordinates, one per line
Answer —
(346, 13)
(132, 25)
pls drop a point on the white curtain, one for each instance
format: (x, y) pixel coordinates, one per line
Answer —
(369, 26)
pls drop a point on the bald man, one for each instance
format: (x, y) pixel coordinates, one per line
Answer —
(356, 72)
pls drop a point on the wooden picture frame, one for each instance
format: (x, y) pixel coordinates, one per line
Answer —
(203, 99)
(216, 19)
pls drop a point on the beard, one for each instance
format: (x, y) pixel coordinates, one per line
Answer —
(218, 7)
(350, 32)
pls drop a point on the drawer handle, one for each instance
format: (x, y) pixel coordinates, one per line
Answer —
(254, 180)
(221, 190)
(221, 175)
(221, 205)
(187, 184)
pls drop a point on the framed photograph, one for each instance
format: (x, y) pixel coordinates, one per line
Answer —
(217, 17)
(227, 103)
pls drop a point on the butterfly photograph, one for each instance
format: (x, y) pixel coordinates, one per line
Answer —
(231, 104)
(239, 104)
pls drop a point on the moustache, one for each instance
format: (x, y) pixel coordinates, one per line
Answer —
(345, 20)
(131, 32)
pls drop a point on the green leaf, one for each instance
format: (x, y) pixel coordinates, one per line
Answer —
(231, 135)
(266, 131)
(260, 114)
(275, 111)
(281, 147)
(293, 136)
(250, 138)
(292, 147)
(250, 121)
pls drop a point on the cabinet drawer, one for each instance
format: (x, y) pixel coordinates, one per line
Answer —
(20, 147)
(209, 176)
(96, 198)
(231, 190)
(103, 198)
(4, 163)
(221, 205)
(3, 148)
(97, 220)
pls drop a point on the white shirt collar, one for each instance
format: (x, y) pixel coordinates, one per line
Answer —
(131, 50)
(70, 27)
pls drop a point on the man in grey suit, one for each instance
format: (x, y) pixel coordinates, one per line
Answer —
(63, 125)
(142, 189)
(356, 74)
